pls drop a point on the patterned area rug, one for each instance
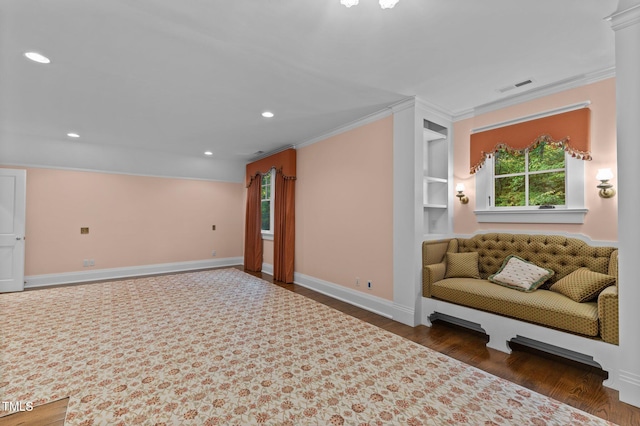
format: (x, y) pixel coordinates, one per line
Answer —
(224, 347)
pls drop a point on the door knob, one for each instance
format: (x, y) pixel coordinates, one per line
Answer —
(18, 238)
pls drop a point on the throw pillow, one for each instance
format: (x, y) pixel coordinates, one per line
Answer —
(462, 265)
(519, 274)
(582, 284)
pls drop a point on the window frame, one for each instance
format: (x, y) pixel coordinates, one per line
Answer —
(573, 211)
(267, 234)
(527, 173)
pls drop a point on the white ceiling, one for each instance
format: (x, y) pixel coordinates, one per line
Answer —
(182, 77)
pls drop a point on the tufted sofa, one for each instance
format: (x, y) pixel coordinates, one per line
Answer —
(597, 318)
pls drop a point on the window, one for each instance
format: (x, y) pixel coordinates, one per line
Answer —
(267, 196)
(511, 187)
(535, 177)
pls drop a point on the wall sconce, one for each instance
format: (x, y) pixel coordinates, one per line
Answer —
(463, 198)
(606, 189)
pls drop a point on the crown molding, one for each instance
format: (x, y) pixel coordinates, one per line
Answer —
(437, 110)
(546, 90)
(109, 172)
(453, 116)
(625, 18)
(378, 115)
(403, 104)
(463, 114)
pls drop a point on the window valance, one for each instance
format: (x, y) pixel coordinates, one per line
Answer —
(569, 130)
(284, 161)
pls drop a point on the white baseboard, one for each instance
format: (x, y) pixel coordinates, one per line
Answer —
(267, 268)
(369, 302)
(629, 387)
(44, 280)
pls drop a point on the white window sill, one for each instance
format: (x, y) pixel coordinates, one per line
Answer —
(557, 215)
(267, 236)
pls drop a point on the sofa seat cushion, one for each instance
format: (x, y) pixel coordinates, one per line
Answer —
(541, 306)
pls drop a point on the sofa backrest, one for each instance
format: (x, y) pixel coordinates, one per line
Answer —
(562, 254)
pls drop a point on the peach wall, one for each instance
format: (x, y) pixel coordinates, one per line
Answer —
(344, 208)
(132, 220)
(601, 221)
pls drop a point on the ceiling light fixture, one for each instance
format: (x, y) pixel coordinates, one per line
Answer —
(37, 57)
(73, 135)
(267, 114)
(384, 4)
(208, 153)
(388, 4)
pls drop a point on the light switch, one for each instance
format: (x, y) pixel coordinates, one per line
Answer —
(84, 230)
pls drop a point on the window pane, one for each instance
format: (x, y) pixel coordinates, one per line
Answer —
(507, 163)
(265, 210)
(510, 191)
(547, 189)
(546, 157)
(266, 187)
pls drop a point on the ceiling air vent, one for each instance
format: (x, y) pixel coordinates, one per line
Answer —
(515, 86)
(523, 83)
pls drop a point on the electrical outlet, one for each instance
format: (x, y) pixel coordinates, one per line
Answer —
(369, 285)
(213, 253)
(92, 262)
(85, 262)
(357, 281)
(213, 227)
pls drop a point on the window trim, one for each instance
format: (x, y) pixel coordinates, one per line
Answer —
(573, 211)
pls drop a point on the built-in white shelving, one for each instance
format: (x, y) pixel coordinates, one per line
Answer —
(436, 185)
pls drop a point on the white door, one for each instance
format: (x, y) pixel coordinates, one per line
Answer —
(13, 187)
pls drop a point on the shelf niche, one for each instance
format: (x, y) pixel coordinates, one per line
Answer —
(435, 183)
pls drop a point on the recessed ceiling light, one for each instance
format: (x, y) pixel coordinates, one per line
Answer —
(208, 153)
(267, 114)
(73, 135)
(37, 57)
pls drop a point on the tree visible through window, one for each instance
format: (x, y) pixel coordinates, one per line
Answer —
(534, 177)
(266, 203)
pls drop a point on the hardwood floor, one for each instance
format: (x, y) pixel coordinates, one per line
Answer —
(566, 381)
(571, 383)
(51, 414)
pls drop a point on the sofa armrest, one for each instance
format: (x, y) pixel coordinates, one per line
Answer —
(431, 274)
(433, 266)
(608, 314)
(613, 265)
(434, 251)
